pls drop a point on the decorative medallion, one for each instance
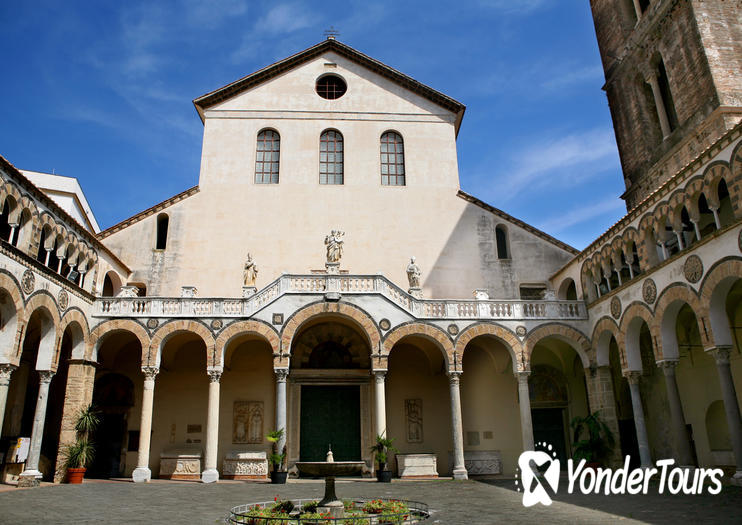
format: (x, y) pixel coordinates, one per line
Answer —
(521, 331)
(453, 329)
(616, 307)
(385, 324)
(28, 281)
(63, 299)
(693, 269)
(152, 323)
(277, 318)
(739, 240)
(217, 324)
(649, 291)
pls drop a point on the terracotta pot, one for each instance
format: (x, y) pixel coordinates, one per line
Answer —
(75, 475)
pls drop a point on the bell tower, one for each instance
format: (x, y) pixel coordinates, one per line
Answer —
(673, 71)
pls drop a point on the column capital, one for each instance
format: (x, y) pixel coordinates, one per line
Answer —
(380, 375)
(523, 376)
(720, 354)
(632, 376)
(281, 374)
(215, 374)
(150, 372)
(668, 366)
(6, 370)
(45, 376)
(454, 377)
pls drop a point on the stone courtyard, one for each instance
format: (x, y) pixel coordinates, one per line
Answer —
(452, 502)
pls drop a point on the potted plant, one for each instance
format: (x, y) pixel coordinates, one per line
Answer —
(277, 460)
(597, 446)
(79, 454)
(382, 449)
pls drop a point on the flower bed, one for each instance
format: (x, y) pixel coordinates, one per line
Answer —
(357, 512)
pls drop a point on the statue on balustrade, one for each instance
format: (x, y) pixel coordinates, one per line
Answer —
(251, 271)
(413, 274)
(334, 244)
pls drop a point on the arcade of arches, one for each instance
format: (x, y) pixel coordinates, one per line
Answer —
(666, 381)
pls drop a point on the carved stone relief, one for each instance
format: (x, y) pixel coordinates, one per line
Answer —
(414, 416)
(247, 422)
(693, 269)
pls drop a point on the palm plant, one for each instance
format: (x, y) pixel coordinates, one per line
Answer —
(277, 459)
(80, 453)
(598, 445)
(381, 449)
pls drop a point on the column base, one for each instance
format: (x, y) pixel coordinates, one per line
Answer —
(210, 475)
(29, 478)
(460, 473)
(736, 479)
(141, 475)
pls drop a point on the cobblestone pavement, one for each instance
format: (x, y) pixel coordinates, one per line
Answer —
(453, 502)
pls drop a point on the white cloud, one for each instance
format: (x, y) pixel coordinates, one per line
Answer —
(514, 6)
(285, 18)
(581, 214)
(587, 75)
(560, 161)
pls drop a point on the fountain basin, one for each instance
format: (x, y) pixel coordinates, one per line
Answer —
(324, 469)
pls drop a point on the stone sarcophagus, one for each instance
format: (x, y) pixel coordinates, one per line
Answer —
(481, 462)
(245, 465)
(410, 466)
(182, 463)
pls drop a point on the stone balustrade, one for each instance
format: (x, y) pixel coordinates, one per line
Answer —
(337, 284)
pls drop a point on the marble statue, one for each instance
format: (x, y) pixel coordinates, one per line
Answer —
(251, 271)
(334, 243)
(413, 273)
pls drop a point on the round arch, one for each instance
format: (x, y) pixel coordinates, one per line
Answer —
(169, 329)
(74, 315)
(43, 303)
(631, 322)
(668, 306)
(601, 339)
(13, 318)
(714, 290)
(358, 317)
(260, 329)
(505, 336)
(574, 338)
(427, 331)
(107, 328)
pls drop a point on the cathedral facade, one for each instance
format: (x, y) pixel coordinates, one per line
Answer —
(328, 277)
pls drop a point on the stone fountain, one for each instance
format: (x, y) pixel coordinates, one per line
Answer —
(330, 469)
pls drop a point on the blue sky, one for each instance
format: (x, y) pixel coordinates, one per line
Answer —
(102, 91)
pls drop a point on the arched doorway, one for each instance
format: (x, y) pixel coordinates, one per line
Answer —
(113, 398)
(330, 384)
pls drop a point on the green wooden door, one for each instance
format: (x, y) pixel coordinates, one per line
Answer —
(330, 415)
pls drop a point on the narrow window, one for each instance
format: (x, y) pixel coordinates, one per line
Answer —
(267, 157)
(392, 159)
(162, 223)
(331, 157)
(501, 236)
(664, 83)
(644, 4)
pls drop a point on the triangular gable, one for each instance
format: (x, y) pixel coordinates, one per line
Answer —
(220, 95)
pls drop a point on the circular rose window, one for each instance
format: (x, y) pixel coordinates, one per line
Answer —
(331, 87)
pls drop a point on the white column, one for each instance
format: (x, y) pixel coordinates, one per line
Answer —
(731, 407)
(524, 400)
(661, 112)
(638, 9)
(380, 398)
(682, 446)
(459, 468)
(640, 425)
(210, 473)
(696, 229)
(281, 376)
(681, 244)
(631, 268)
(31, 475)
(142, 473)
(6, 370)
(717, 220)
(48, 254)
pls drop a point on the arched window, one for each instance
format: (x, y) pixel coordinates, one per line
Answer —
(392, 159)
(667, 99)
(162, 224)
(501, 237)
(267, 157)
(726, 213)
(331, 157)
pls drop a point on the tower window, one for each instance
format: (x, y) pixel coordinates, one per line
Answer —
(392, 159)
(331, 157)
(501, 237)
(664, 83)
(162, 224)
(267, 157)
(331, 87)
